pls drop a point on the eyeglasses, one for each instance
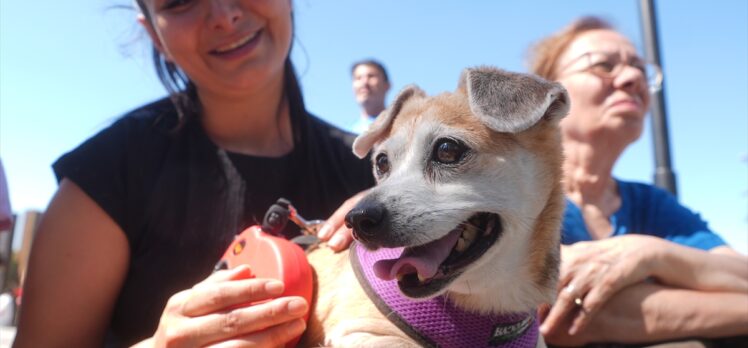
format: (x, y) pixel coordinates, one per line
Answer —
(607, 65)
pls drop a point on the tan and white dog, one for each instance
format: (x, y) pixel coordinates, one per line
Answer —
(469, 184)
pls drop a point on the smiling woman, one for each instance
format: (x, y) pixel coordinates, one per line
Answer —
(146, 207)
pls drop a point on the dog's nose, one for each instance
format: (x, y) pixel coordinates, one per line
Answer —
(366, 219)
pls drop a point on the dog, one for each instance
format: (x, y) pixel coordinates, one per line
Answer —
(464, 220)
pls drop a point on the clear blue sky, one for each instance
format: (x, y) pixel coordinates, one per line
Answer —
(68, 68)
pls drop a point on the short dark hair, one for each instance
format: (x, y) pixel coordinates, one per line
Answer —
(374, 63)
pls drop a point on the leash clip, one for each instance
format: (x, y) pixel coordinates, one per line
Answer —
(278, 215)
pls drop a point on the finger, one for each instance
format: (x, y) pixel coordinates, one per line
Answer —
(244, 321)
(212, 297)
(561, 309)
(337, 219)
(176, 302)
(567, 274)
(567, 268)
(580, 321)
(595, 298)
(579, 254)
(542, 312)
(341, 239)
(274, 336)
(241, 271)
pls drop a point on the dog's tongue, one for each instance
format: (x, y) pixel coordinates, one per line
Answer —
(424, 259)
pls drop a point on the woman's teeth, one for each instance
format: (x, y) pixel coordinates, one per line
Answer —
(236, 44)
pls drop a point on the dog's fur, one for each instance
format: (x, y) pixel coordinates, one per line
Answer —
(512, 168)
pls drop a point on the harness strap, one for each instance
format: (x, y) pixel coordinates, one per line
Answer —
(437, 322)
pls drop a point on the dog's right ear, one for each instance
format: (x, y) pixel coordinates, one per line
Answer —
(364, 142)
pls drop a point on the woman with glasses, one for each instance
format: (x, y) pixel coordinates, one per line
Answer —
(636, 266)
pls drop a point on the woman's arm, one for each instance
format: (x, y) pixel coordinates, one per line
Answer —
(593, 272)
(77, 265)
(79, 262)
(721, 269)
(647, 312)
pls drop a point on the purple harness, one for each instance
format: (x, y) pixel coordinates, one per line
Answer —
(436, 322)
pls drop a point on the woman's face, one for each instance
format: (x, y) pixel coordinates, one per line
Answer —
(608, 101)
(224, 46)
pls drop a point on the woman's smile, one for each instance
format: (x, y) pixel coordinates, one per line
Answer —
(240, 47)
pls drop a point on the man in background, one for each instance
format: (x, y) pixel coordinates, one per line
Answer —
(370, 86)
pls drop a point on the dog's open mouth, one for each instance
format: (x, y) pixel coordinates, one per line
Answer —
(423, 270)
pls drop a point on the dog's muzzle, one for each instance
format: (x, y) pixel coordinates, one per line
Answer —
(425, 269)
(372, 224)
(366, 220)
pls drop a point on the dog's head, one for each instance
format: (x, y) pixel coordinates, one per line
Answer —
(469, 184)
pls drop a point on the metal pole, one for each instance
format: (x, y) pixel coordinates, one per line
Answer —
(664, 176)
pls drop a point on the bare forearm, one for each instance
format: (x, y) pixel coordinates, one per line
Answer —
(689, 268)
(652, 313)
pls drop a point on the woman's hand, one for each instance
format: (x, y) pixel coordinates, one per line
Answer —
(592, 272)
(560, 335)
(334, 231)
(214, 312)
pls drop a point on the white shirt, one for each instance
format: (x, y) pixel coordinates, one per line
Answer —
(362, 124)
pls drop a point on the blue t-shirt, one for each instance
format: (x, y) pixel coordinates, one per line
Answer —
(646, 209)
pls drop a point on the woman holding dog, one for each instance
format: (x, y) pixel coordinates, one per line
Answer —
(145, 208)
(636, 266)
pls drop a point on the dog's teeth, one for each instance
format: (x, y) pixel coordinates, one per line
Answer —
(421, 279)
(466, 238)
(469, 234)
(400, 276)
(461, 245)
(489, 226)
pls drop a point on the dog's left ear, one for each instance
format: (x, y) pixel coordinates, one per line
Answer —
(382, 123)
(511, 102)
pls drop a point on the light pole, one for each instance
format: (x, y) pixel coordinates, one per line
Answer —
(664, 176)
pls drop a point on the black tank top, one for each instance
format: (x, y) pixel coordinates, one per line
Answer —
(180, 199)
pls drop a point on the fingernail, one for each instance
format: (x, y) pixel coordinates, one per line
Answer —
(573, 331)
(274, 287)
(297, 326)
(543, 329)
(335, 241)
(324, 231)
(240, 268)
(297, 306)
(241, 271)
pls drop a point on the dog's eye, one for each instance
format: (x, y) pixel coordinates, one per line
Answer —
(448, 151)
(383, 164)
